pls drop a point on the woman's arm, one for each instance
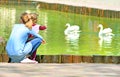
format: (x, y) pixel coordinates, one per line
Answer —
(35, 34)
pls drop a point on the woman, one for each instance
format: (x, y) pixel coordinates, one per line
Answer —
(17, 46)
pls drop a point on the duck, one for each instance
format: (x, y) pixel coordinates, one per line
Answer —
(107, 32)
(71, 29)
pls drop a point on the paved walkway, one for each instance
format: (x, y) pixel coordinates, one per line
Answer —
(59, 70)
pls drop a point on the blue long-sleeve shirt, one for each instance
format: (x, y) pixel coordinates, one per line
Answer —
(18, 38)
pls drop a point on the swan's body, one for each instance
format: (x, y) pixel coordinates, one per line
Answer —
(72, 32)
(72, 36)
(71, 29)
(105, 36)
(107, 32)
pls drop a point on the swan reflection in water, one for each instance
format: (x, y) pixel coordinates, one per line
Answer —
(105, 37)
(105, 42)
(72, 34)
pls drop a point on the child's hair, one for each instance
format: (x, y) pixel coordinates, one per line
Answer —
(34, 17)
(25, 17)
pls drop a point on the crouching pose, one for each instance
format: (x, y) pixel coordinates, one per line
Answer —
(17, 46)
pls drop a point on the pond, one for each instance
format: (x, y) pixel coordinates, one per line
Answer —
(88, 42)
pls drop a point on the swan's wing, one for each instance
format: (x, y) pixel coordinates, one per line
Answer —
(68, 31)
(75, 27)
(71, 29)
(107, 30)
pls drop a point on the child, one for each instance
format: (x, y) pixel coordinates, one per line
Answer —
(36, 28)
(17, 46)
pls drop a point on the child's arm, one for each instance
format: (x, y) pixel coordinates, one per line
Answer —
(42, 27)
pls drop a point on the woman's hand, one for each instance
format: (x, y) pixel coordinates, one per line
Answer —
(43, 41)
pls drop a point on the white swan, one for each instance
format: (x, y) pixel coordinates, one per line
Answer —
(105, 36)
(72, 32)
(107, 32)
(71, 29)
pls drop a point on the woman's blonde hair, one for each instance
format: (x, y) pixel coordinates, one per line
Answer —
(25, 17)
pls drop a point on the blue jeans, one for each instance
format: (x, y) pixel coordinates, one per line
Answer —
(35, 43)
(30, 47)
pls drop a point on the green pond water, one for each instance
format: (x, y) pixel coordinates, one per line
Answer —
(88, 42)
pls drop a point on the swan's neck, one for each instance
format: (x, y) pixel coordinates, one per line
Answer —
(100, 32)
(101, 28)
